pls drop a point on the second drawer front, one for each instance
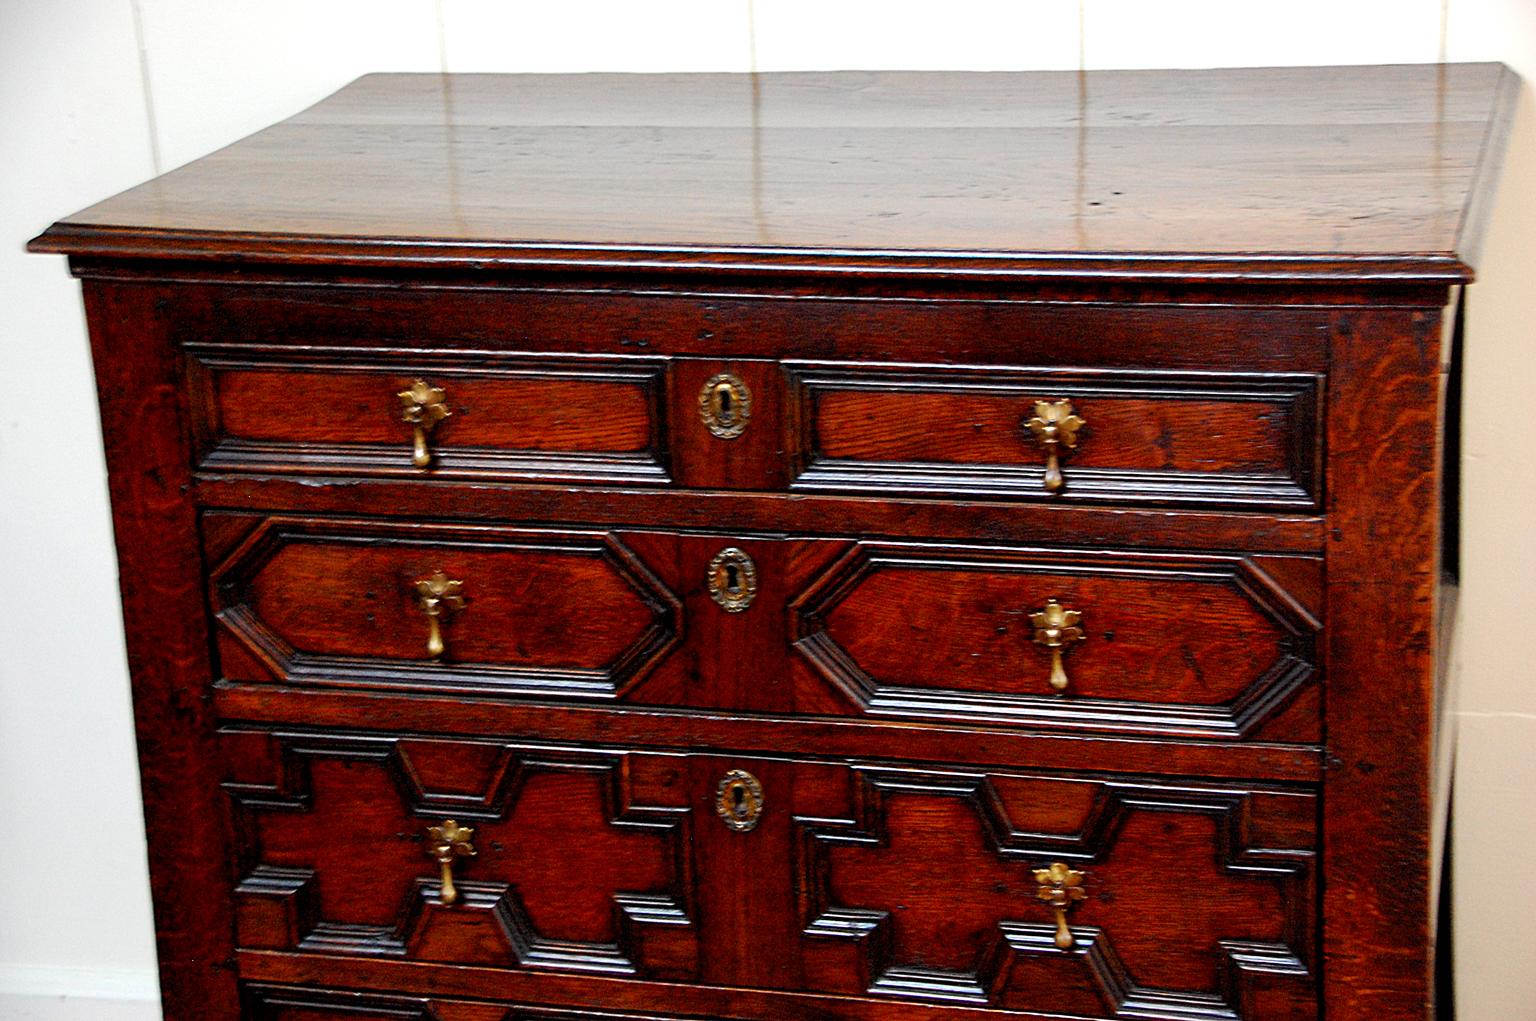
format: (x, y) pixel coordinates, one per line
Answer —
(1019, 890)
(1171, 644)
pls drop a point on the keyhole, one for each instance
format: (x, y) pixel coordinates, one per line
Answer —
(725, 404)
(739, 800)
(732, 580)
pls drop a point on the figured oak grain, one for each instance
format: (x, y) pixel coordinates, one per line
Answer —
(1105, 171)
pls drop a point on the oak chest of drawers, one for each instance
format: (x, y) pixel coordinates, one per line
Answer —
(849, 546)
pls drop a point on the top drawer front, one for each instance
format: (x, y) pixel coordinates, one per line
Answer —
(889, 397)
(1230, 438)
(537, 417)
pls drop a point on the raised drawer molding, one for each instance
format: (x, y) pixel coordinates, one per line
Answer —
(1159, 438)
(336, 601)
(858, 546)
(271, 410)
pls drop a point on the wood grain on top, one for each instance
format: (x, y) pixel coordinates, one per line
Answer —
(1353, 172)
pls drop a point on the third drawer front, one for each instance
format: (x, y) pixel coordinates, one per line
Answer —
(1093, 897)
(1170, 644)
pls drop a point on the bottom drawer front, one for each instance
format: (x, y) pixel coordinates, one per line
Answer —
(1010, 889)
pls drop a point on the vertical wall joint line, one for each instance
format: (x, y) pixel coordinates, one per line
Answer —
(144, 84)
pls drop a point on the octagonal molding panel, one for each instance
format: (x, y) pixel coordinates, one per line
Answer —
(544, 612)
(1175, 644)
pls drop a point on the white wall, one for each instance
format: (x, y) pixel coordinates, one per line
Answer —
(96, 95)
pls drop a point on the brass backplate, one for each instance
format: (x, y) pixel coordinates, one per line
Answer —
(739, 800)
(732, 579)
(725, 405)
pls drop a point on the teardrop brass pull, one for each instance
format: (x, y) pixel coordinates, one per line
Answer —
(1055, 427)
(1056, 628)
(725, 405)
(438, 596)
(446, 844)
(1060, 887)
(739, 800)
(422, 407)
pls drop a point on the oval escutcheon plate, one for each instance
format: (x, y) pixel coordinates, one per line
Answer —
(732, 580)
(739, 800)
(725, 405)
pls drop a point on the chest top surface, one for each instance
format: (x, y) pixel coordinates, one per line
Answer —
(1352, 172)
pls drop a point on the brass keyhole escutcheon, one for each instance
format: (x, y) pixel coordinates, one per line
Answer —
(739, 800)
(732, 578)
(725, 405)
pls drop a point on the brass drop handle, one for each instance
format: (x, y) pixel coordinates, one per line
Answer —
(438, 596)
(1054, 427)
(446, 844)
(1060, 887)
(422, 407)
(1056, 628)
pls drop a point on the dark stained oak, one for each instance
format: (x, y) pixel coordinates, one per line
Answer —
(517, 418)
(1242, 280)
(1170, 645)
(955, 742)
(914, 881)
(1174, 644)
(167, 634)
(1145, 438)
(338, 602)
(1386, 509)
(1270, 171)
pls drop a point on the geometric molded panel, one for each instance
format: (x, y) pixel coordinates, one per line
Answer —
(1177, 644)
(570, 873)
(1201, 899)
(332, 602)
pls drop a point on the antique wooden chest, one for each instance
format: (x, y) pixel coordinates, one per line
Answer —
(848, 546)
